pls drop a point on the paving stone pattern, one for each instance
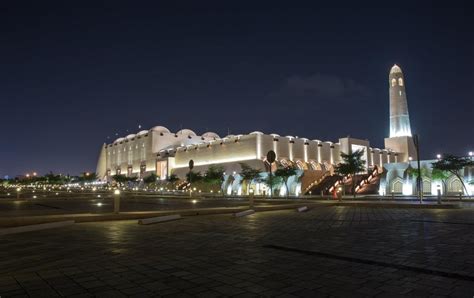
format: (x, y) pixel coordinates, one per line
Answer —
(328, 251)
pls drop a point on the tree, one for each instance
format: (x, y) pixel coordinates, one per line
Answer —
(272, 181)
(87, 177)
(285, 173)
(413, 172)
(248, 174)
(193, 176)
(172, 178)
(150, 179)
(214, 175)
(437, 174)
(454, 164)
(120, 179)
(351, 165)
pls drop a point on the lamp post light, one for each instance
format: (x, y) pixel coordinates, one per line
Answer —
(117, 201)
(471, 154)
(251, 198)
(18, 190)
(438, 191)
(438, 156)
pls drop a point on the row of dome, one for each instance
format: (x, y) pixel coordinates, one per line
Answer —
(190, 133)
(162, 129)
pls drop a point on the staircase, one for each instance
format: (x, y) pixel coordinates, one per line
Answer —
(370, 184)
(326, 184)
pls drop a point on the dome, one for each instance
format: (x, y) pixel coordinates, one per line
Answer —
(211, 135)
(160, 129)
(142, 132)
(395, 69)
(256, 133)
(119, 140)
(229, 136)
(274, 135)
(186, 132)
(130, 136)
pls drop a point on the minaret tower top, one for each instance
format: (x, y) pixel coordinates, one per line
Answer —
(399, 119)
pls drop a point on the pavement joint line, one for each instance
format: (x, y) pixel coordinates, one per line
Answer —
(443, 222)
(49, 206)
(36, 227)
(371, 262)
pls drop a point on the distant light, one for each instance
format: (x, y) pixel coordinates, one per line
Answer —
(117, 192)
(194, 201)
(471, 153)
(34, 173)
(98, 196)
(57, 193)
(99, 204)
(34, 197)
(410, 158)
(438, 156)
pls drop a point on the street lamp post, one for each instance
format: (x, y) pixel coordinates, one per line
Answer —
(251, 199)
(18, 193)
(438, 190)
(117, 201)
(418, 179)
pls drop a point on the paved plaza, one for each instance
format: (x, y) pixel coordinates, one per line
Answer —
(328, 251)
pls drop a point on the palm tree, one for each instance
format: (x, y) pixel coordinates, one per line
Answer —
(351, 165)
(248, 174)
(285, 173)
(440, 175)
(150, 179)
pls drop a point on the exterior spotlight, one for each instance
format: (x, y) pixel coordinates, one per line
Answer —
(194, 201)
(471, 153)
(117, 192)
(410, 158)
(99, 204)
(438, 156)
(98, 196)
(34, 173)
(34, 197)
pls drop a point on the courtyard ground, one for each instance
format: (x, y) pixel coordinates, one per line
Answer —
(327, 251)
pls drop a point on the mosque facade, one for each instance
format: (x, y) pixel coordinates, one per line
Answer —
(162, 152)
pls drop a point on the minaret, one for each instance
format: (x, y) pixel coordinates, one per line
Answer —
(400, 141)
(399, 119)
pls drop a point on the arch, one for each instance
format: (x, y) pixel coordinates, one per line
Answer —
(315, 166)
(286, 162)
(400, 82)
(397, 186)
(256, 133)
(454, 185)
(130, 136)
(142, 132)
(426, 185)
(394, 82)
(301, 165)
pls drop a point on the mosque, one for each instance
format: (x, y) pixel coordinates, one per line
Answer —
(160, 151)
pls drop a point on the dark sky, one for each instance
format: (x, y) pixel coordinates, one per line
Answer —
(72, 75)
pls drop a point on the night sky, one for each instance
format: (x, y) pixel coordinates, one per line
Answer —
(71, 76)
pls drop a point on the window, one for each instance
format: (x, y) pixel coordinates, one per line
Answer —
(394, 82)
(400, 92)
(400, 82)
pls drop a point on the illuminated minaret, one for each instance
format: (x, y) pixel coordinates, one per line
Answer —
(399, 119)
